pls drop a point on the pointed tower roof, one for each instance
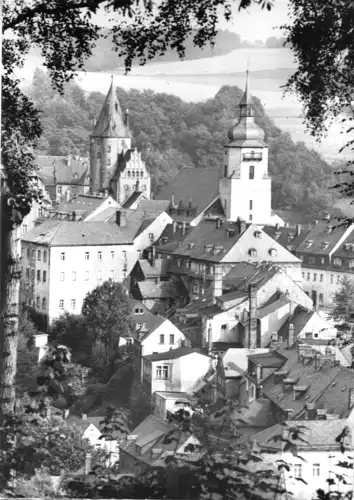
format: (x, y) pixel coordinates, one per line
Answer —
(246, 129)
(110, 122)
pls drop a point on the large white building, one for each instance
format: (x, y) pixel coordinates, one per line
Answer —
(64, 260)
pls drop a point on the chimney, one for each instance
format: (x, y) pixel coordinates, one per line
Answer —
(183, 228)
(137, 185)
(121, 218)
(252, 320)
(351, 399)
(217, 292)
(277, 226)
(218, 223)
(88, 463)
(291, 335)
(84, 416)
(126, 118)
(298, 229)
(174, 227)
(241, 225)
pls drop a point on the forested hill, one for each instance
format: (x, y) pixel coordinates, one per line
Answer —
(173, 134)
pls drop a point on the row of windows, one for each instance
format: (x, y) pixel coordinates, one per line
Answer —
(162, 339)
(308, 277)
(72, 304)
(38, 303)
(250, 172)
(39, 254)
(334, 279)
(142, 187)
(112, 275)
(312, 259)
(163, 372)
(112, 253)
(316, 470)
(30, 272)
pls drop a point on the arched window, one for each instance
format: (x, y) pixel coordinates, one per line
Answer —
(141, 174)
(133, 174)
(252, 252)
(128, 173)
(251, 174)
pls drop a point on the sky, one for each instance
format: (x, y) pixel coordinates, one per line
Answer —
(252, 24)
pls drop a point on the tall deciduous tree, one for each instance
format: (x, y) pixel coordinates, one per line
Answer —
(343, 300)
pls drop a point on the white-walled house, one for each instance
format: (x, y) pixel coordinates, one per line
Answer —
(177, 370)
(320, 453)
(162, 337)
(64, 260)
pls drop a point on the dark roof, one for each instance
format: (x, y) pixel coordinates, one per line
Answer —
(149, 320)
(343, 251)
(319, 234)
(154, 205)
(157, 270)
(272, 359)
(163, 290)
(68, 170)
(336, 396)
(299, 319)
(84, 423)
(65, 233)
(286, 236)
(274, 305)
(169, 239)
(83, 205)
(258, 413)
(198, 186)
(294, 218)
(307, 373)
(243, 274)
(175, 353)
(110, 122)
(132, 199)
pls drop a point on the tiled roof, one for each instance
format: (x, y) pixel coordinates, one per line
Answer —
(65, 233)
(110, 122)
(169, 240)
(154, 205)
(317, 434)
(293, 218)
(83, 205)
(309, 372)
(105, 215)
(318, 235)
(198, 186)
(258, 413)
(157, 270)
(286, 236)
(336, 396)
(211, 311)
(269, 359)
(235, 361)
(273, 306)
(174, 354)
(132, 199)
(343, 251)
(164, 290)
(243, 274)
(147, 319)
(74, 172)
(299, 319)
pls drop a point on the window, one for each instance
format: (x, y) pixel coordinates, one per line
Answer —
(308, 277)
(141, 174)
(59, 189)
(195, 288)
(179, 263)
(322, 260)
(37, 302)
(303, 276)
(38, 276)
(139, 254)
(314, 277)
(39, 255)
(45, 256)
(99, 275)
(109, 149)
(62, 256)
(27, 272)
(24, 229)
(312, 260)
(351, 264)
(73, 303)
(251, 172)
(172, 339)
(28, 253)
(99, 255)
(338, 279)
(273, 252)
(73, 191)
(151, 236)
(124, 254)
(162, 372)
(332, 278)
(112, 274)
(87, 275)
(251, 205)
(73, 275)
(32, 274)
(337, 262)
(188, 264)
(128, 173)
(44, 303)
(98, 155)
(162, 338)
(321, 300)
(62, 276)
(252, 252)
(112, 254)
(251, 217)
(87, 255)
(108, 161)
(44, 276)
(316, 469)
(225, 170)
(33, 254)
(321, 278)
(143, 187)
(133, 173)
(252, 391)
(298, 470)
(223, 327)
(61, 304)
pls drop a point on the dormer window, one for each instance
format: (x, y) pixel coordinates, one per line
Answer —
(75, 175)
(308, 243)
(328, 229)
(325, 245)
(188, 264)
(252, 252)
(337, 262)
(273, 252)
(257, 234)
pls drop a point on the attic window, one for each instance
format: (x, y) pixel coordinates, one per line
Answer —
(337, 262)
(328, 229)
(291, 236)
(273, 252)
(325, 245)
(252, 252)
(257, 234)
(207, 248)
(191, 245)
(308, 243)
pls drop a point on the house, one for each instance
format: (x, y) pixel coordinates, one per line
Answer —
(308, 324)
(320, 455)
(83, 207)
(151, 270)
(164, 403)
(146, 446)
(159, 297)
(61, 256)
(177, 370)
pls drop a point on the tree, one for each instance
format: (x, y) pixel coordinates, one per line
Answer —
(108, 318)
(343, 300)
(71, 330)
(324, 76)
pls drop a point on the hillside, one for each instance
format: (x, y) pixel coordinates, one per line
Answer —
(173, 134)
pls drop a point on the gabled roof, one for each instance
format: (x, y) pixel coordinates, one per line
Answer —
(175, 354)
(319, 234)
(132, 199)
(171, 238)
(163, 290)
(286, 236)
(243, 274)
(198, 186)
(336, 396)
(235, 361)
(68, 170)
(273, 306)
(83, 205)
(143, 316)
(343, 251)
(156, 270)
(293, 218)
(268, 359)
(110, 122)
(299, 319)
(65, 233)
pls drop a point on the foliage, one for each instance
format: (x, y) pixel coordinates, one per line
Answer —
(70, 330)
(38, 486)
(27, 356)
(108, 317)
(173, 134)
(343, 300)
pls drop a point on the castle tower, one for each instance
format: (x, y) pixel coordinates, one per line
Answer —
(109, 139)
(244, 183)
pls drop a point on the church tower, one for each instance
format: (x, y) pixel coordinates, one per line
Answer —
(244, 183)
(110, 139)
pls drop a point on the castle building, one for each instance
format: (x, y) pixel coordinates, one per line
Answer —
(115, 167)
